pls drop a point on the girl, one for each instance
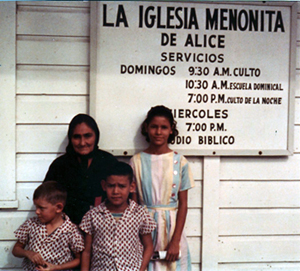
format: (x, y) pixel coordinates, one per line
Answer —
(163, 178)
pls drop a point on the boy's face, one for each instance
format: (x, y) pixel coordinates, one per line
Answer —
(118, 189)
(46, 211)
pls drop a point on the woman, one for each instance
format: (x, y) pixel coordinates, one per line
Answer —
(81, 169)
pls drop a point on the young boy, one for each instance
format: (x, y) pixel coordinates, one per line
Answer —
(118, 231)
(49, 241)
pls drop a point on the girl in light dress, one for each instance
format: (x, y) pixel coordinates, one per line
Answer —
(163, 178)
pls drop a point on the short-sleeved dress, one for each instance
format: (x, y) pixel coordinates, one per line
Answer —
(159, 179)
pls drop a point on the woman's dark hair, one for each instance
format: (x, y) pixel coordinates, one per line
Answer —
(89, 121)
(160, 111)
(52, 191)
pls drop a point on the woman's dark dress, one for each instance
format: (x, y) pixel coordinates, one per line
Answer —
(82, 184)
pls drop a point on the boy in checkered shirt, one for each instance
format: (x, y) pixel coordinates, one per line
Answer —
(49, 241)
(118, 231)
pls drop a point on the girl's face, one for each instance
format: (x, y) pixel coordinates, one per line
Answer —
(83, 139)
(159, 130)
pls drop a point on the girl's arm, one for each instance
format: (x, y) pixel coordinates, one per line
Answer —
(173, 246)
(148, 250)
(69, 265)
(20, 252)
(86, 254)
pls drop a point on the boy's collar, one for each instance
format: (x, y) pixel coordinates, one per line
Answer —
(103, 209)
(67, 225)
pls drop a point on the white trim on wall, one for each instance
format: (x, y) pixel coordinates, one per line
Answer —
(7, 105)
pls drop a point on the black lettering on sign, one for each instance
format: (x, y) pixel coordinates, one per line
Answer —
(244, 20)
(175, 17)
(216, 140)
(120, 17)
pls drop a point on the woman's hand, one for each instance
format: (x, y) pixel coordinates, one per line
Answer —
(172, 251)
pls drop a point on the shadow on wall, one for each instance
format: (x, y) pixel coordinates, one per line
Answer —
(62, 147)
(139, 141)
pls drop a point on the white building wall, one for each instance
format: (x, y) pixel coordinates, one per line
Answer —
(254, 200)
(52, 85)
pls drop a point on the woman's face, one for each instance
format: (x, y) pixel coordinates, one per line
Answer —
(83, 139)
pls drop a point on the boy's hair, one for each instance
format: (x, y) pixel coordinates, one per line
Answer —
(160, 111)
(51, 191)
(120, 169)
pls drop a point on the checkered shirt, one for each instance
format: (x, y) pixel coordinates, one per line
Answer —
(55, 248)
(116, 244)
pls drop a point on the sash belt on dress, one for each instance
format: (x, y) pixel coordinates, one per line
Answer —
(162, 208)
